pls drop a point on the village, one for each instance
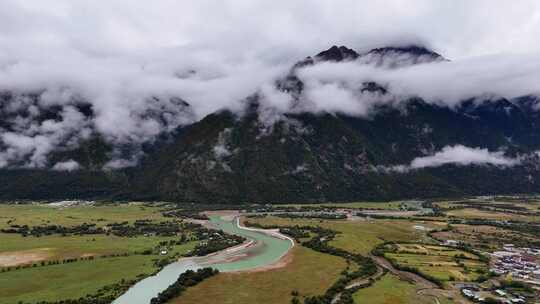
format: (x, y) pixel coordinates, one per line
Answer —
(520, 265)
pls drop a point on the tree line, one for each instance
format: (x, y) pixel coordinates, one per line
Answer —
(185, 280)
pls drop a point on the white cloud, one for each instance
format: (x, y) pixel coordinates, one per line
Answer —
(120, 163)
(458, 155)
(463, 156)
(220, 149)
(336, 87)
(69, 165)
(128, 60)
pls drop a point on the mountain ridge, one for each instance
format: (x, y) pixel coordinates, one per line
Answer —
(307, 157)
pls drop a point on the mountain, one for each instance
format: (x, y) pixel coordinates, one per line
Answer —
(309, 156)
(395, 57)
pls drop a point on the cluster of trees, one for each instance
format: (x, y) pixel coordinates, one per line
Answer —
(295, 232)
(366, 267)
(216, 241)
(436, 210)
(145, 227)
(417, 272)
(346, 296)
(315, 215)
(38, 231)
(139, 227)
(382, 217)
(185, 280)
(489, 206)
(516, 286)
(185, 214)
(259, 226)
(287, 209)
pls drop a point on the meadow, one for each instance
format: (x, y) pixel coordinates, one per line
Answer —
(486, 238)
(100, 259)
(40, 214)
(308, 273)
(72, 280)
(442, 263)
(56, 247)
(361, 236)
(471, 213)
(391, 290)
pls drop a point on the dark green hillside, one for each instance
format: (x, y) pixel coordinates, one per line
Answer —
(301, 157)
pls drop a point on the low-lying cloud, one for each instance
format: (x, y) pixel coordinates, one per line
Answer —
(69, 166)
(336, 87)
(458, 155)
(137, 64)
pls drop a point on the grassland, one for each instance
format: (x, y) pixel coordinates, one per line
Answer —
(486, 238)
(309, 272)
(530, 205)
(75, 279)
(442, 263)
(35, 215)
(360, 236)
(70, 281)
(58, 247)
(390, 290)
(470, 213)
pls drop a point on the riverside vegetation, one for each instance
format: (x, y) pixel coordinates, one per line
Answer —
(339, 258)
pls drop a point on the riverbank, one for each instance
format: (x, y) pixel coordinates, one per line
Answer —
(250, 245)
(263, 251)
(284, 260)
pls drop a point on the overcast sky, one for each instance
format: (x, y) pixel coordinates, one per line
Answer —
(116, 54)
(457, 28)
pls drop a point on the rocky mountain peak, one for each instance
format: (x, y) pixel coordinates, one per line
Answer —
(336, 53)
(400, 56)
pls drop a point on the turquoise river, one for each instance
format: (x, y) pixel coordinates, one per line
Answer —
(265, 249)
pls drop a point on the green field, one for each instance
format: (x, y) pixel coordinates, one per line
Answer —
(390, 290)
(309, 272)
(59, 247)
(36, 215)
(470, 213)
(34, 249)
(70, 281)
(442, 263)
(360, 236)
(73, 280)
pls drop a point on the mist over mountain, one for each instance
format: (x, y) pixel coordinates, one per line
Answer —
(390, 122)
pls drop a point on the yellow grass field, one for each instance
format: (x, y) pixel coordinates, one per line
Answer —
(443, 263)
(309, 272)
(475, 213)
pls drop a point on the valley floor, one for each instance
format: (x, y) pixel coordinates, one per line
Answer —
(392, 252)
